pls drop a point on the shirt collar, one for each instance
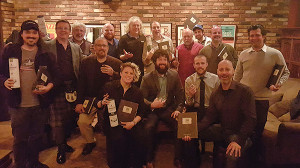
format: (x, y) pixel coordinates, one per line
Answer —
(231, 87)
(159, 75)
(205, 75)
(264, 49)
(132, 36)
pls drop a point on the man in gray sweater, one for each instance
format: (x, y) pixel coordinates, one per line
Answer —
(254, 68)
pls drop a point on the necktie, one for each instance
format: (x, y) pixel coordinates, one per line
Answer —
(202, 94)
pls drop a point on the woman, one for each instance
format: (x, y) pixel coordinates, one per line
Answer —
(123, 141)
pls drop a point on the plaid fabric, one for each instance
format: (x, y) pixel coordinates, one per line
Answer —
(61, 111)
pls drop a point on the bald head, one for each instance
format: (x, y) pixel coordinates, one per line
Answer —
(225, 72)
(108, 31)
(187, 35)
(216, 34)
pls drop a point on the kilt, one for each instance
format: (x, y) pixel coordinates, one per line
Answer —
(61, 111)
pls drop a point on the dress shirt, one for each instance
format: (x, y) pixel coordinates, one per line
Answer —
(211, 83)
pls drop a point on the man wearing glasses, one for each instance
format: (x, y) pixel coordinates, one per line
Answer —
(68, 58)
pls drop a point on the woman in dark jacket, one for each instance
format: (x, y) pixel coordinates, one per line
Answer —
(123, 139)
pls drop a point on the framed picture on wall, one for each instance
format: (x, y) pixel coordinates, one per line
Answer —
(166, 29)
(179, 29)
(93, 31)
(229, 33)
(50, 27)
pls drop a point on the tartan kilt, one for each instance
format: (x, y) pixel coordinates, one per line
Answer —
(61, 111)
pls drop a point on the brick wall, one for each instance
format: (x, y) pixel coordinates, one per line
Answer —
(8, 17)
(271, 13)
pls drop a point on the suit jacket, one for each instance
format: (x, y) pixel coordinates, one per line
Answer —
(175, 93)
(76, 54)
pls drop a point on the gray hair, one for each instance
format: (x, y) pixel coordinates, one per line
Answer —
(134, 19)
(78, 24)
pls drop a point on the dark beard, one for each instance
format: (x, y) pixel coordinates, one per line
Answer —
(161, 71)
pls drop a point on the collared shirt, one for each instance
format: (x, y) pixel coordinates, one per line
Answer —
(134, 46)
(254, 69)
(216, 54)
(235, 109)
(65, 62)
(112, 51)
(153, 44)
(162, 80)
(206, 41)
(211, 83)
(85, 46)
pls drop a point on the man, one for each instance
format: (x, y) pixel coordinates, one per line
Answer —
(68, 58)
(109, 34)
(28, 105)
(255, 66)
(193, 82)
(78, 33)
(186, 54)
(199, 35)
(232, 104)
(198, 88)
(95, 71)
(217, 51)
(151, 45)
(131, 44)
(163, 93)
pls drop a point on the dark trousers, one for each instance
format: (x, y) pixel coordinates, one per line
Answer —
(190, 153)
(125, 148)
(256, 152)
(27, 128)
(220, 158)
(151, 126)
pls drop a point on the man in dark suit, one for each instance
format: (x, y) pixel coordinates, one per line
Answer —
(164, 95)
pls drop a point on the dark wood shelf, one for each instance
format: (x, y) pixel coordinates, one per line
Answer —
(290, 47)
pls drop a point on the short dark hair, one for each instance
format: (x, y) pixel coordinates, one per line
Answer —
(258, 26)
(160, 53)
(63, 21)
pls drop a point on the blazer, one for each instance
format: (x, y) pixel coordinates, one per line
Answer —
(175, 93)
(76, 54)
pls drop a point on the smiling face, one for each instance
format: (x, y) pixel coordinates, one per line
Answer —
(216, 34)
(256, 39)
(109, 32)
(30, 37)
(78, 33)
(135, 27)
(225, 71)
(187, 36)
(155, 28)
(198, 34)
(127, 75)
(161, 64)
(101, 48)
(200, 65)
(63, 30)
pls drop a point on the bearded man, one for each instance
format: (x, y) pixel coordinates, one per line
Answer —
(109, 34)
(164, 95)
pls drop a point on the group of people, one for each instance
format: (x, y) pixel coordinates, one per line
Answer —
(228, 93)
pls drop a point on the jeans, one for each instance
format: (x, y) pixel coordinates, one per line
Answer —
(27, 128)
